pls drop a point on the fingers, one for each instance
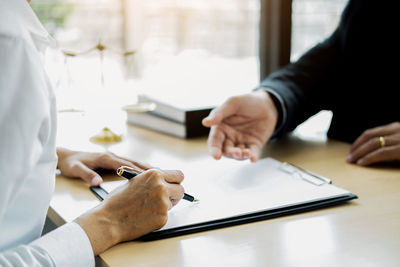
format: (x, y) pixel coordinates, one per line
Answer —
(375, 132)
(220, 144)
(364, 149)
(170, 179)
(141, 165)
(213, 118)
(253, 153)
(173, 176)
(230, 150)
(175, 192)
(218, 114)
(113, 162)
(241, 152)
(109, 161)
(369, 148)
(390, 153)
(82, 164)
(215, 142)
(81, 170)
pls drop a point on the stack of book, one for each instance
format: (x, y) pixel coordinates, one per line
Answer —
(173, 116)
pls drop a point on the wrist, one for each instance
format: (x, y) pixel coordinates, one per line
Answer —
(99, 228)
(277, 108)
(271, 105)
(62, 153)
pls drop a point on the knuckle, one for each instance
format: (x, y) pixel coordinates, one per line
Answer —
(155, 174)
(74, 165)
(387, 150)
(89, 176)
(378, 153)
(161, 187)
(367, 133)
(233, 100)
(104, 157)
(158, 188)
(383, 152)
(390, 151)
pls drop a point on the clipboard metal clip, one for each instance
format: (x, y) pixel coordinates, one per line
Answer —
(305, 175)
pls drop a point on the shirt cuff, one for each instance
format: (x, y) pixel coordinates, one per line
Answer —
(278, 101)
(68, 245)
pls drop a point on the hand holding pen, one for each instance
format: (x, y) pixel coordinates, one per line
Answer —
(128, 173)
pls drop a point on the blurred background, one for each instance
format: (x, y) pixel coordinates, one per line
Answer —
(189, 45)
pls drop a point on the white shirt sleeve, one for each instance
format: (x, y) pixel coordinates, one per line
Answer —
(24, 138)
(66, 246)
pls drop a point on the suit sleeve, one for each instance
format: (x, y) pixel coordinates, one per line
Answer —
(298, 85)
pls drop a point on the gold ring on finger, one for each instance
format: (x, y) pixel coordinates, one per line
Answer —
(382, 141)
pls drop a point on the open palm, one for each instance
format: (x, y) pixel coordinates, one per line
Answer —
(241, 126)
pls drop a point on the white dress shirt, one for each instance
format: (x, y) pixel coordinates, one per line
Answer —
(27, 149)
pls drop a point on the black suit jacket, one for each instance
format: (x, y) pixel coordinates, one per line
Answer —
(355, 73)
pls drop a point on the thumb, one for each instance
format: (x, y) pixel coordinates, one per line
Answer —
(91, 177)
(218, 114)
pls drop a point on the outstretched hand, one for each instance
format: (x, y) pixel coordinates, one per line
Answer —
(241, 126)
(82, 165)
(376, 145)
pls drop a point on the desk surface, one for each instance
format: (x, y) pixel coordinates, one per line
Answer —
(364, 232)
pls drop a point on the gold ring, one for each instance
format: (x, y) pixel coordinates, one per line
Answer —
(382, 141)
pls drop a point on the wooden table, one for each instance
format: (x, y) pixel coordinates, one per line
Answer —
(364, 232)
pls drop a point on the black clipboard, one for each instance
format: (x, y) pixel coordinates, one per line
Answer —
(308, 177)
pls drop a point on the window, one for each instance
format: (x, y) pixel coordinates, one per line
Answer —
(78, 26)
(312, 22)
(190, 44)
(176, 43)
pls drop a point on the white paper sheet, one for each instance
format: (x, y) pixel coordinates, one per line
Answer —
(247, 188)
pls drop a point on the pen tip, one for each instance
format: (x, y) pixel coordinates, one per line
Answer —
(196, 200)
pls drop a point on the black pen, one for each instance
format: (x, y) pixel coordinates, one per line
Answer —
(129, 174)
